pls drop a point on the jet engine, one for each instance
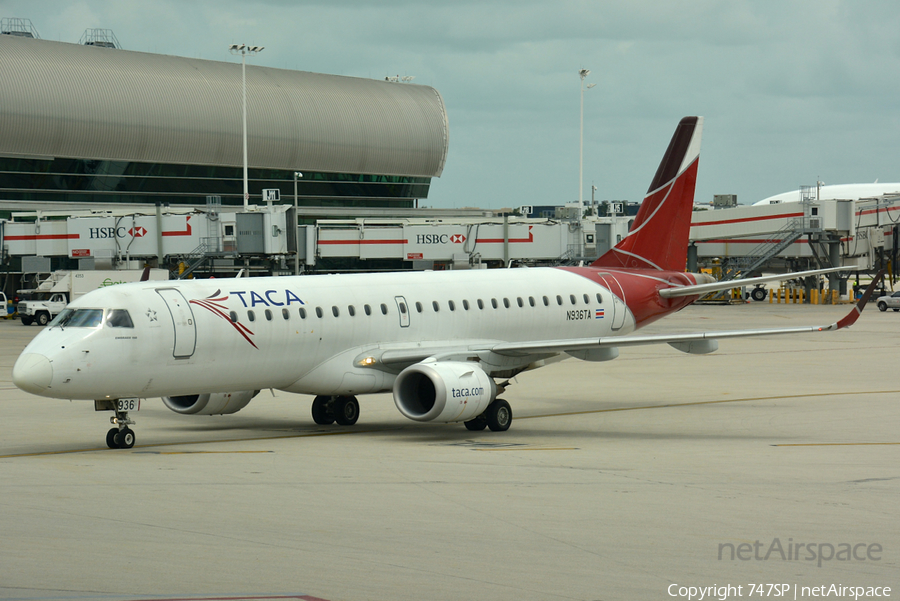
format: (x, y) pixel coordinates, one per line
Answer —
(449, 391)
(220, 403)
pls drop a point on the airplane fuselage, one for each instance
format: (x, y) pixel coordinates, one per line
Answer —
(306, 334)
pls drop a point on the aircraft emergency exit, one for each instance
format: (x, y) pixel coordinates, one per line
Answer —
(446, 343)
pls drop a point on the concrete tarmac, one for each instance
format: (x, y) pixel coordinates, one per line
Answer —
(617, 480)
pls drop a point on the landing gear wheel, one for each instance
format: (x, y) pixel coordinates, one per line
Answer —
(477, 424)
(120, 439)
(321, 412)
(758, 294)
(111, 438)
(346, 410)
(124, 439)
(882, 306)
(498, 416)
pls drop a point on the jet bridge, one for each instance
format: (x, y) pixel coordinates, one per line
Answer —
(748, 238)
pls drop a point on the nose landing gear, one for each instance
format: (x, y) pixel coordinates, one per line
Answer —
(120, 436)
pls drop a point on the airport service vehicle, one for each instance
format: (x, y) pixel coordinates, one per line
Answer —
(445, 343)
(41, 310)
(890, 301)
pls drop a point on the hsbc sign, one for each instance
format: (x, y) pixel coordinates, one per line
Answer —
(95, 233)
(440, 239)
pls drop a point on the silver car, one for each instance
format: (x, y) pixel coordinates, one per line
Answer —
(891, 301)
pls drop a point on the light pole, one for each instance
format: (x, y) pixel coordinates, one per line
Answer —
(297, 175)
(583, 73)
(244, 50)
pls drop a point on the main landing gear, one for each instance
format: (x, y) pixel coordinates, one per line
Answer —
(330, 409)
(498, 416)
(120, 436)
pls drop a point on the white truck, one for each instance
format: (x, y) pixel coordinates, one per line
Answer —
(54, 293)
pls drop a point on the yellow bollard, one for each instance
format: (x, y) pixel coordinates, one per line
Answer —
(771, 296)
(814, 296)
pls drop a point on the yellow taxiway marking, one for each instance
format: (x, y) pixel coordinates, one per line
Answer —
(696, 403)
(531, 449)
(835, 444)
(193, 442)
(202, 452)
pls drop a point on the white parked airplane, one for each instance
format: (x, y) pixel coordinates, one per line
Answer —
(445, 343)
(835, 192)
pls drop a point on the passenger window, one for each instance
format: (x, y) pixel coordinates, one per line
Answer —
(466, 305)
(268, 315)
(402, 308)
(335, 311)
(319, 312)
(383, 309)
(418, 306)
(119, 318)
(587, 299)
(599, 298)
(520, 302)
(251, 316)
(559, 300)
(302, 313)
(506, 303)
(480, 304)
(233, 316)
(285, 314)
(351, 310)
(572, 298)
(531, 300)
(546, 302)
(494, 303)
(435, 306)
(452, 305)
(367, 309)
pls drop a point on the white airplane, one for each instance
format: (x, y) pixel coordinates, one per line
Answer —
(835, 192)
(445, 343)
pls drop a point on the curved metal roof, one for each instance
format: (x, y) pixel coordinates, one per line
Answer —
(68, 100)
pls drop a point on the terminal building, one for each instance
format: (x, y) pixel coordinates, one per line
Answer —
(83, 125)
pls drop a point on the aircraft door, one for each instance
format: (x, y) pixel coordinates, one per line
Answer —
(403, 309)
(618, 312)
(183, 320)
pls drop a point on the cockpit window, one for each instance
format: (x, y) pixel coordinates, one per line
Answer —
(119, 318)
(78, 318)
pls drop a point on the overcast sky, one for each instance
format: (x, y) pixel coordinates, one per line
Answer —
(792, 91)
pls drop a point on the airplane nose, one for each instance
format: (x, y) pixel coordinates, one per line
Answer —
(32, 373)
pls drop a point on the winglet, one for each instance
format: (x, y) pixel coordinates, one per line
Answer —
(854, 314)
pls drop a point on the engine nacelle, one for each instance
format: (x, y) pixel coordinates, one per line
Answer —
(219, 403)
(449, 391)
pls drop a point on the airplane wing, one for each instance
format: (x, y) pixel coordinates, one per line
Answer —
(700, 289)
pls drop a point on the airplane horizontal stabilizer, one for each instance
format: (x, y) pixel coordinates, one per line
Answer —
(700, 289)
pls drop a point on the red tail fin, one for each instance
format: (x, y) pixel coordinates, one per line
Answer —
(658, 238)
